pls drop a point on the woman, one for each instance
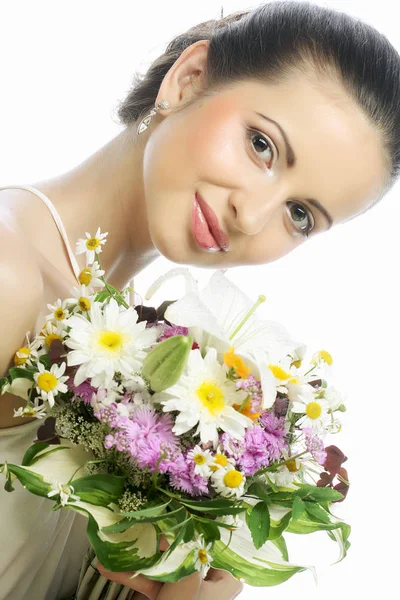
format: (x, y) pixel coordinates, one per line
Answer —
(269, 126)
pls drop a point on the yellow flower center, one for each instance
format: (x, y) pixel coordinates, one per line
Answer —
(203, 556)
(20, 360)
(92, 243)
(296, 363)
(47, 381)
(199, 459)
(220, 460)
(324, 356)
(85, 276)
(313, 410)
(232, 360)
(292, 466)
(49, 339)
(279, 373)
(110, 340)
(84, 304)
(59, 314)
(211, 396)
(233, 479)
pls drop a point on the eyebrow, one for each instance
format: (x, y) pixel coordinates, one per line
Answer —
(291, 161)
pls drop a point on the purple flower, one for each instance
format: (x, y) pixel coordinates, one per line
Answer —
(182, 475)
(315, 445)
(257, 449)
(171, 330)
(253, 387)
(144, 434)
(84, 390)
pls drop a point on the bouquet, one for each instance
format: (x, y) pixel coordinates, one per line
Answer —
(194, 420)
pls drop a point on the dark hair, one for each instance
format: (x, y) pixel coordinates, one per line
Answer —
(269, 42)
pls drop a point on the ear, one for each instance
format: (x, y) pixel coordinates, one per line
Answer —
(186, 76)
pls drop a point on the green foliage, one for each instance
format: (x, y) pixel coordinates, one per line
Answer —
(259, 522)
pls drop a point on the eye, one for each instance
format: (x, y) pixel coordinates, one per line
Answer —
(301, 217)
(262, 146)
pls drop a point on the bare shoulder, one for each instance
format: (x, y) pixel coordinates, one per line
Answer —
(20, 299)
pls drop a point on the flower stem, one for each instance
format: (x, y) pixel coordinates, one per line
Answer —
(260, 300)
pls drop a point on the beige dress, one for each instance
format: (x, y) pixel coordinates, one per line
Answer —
(41, 551)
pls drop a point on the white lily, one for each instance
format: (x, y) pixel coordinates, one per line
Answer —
(221, 316)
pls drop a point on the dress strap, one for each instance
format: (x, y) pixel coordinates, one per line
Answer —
(57, 219)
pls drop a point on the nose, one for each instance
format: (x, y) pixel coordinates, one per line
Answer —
(252, 210)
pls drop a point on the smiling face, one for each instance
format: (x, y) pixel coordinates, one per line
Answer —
(263, 193)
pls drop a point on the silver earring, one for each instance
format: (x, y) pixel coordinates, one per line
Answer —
(145, 122)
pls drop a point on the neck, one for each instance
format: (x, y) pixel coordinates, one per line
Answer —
(106, 191)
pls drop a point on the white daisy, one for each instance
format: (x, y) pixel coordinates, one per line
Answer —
(50, 333)
(82, 299)
(203, 558)
(220, 460)
(65, 492)
(109, 340)
(202, 460)
(59, 312)
(35, 410)
(334, 398)
(283, 477)
(27, 355)
(203, 396)
(228, 482)
(316, 414)
(90, 276)
(50, 383)
(92, 245)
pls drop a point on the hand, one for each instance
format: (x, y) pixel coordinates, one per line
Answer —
(219, 584)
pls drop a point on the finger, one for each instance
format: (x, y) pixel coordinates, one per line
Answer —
(187, 588)
(164, 545)
(140, 583)
(221, 585)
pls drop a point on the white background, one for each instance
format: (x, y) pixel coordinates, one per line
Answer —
(63, 67)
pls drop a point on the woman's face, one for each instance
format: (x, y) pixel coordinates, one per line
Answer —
(223, 149)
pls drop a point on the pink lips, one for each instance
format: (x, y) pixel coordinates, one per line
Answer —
(206, 229)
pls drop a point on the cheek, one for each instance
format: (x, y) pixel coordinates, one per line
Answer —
(269, 245)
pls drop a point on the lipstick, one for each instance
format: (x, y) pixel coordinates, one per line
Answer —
(206, 229)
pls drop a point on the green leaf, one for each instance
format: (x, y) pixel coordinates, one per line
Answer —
(318, 494)
(46, 361)
(210, 530)
(99, 489)
(263, 567)
(298, 509)
(219, 523)
(125, 524)
(164, 364)
(32, 452)
(317, 513)
(281, 545)
(277, 529)
(180, 536)
(135, 551)
(213, 507)
(3, 383)
(189, 532)
(260, 490)
(31, 481)
(17, 372)
(152, 511)
(259, 522)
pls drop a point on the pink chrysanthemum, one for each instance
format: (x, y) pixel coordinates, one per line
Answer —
(183, 476)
